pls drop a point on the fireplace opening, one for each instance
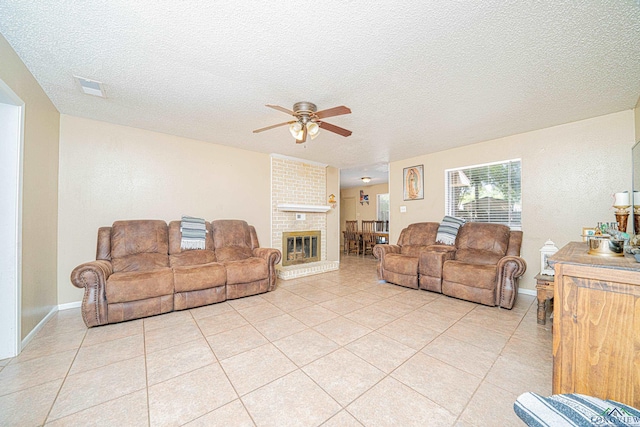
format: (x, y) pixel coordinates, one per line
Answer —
(300, 247)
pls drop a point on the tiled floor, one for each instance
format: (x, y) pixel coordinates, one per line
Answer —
(337, 349)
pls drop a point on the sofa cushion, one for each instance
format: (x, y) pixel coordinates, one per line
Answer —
(198, 277)
(477, 256)
(476, 275)
(139, 236)
(448, 230)
(420, 233)
(230, 232)
(138, 285)
(413, 250)
(139, 245)
(192, 257)
(484, 237)
(401, 264)
(246, 270)
(233, 253)
(140, 262)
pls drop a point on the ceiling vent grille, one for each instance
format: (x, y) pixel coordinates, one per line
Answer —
(91, 87)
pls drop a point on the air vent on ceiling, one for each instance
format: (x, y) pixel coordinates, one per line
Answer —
(91, 87)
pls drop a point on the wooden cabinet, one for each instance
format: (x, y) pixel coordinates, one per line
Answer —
(596, 325)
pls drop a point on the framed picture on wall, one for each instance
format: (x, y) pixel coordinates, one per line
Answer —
(413, 183)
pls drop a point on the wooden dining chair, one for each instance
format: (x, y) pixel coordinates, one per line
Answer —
(351, 237)
(368, 236)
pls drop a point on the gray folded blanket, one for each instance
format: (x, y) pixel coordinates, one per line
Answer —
(194, 233)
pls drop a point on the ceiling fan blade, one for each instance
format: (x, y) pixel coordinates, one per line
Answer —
(304, 136)
(272, 126)
(334, 129)
(279, 108)
(335, 111)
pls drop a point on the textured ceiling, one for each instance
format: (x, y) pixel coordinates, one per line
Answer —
(420, 76)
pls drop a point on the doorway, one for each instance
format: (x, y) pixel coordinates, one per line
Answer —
(11, 142)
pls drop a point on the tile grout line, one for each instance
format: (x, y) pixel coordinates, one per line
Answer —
(64, 380)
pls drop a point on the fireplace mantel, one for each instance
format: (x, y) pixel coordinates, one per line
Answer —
(292, 207)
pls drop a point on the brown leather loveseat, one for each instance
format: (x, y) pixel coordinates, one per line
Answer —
(482, 266)
(141, 271)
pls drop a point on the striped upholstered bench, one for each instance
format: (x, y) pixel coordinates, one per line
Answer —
(578, 410)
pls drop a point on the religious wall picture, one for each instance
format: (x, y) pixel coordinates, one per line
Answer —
(413, 183)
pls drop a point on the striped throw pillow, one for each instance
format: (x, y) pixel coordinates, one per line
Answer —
(448, 230)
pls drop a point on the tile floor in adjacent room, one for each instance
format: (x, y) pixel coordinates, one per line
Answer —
(336, 349)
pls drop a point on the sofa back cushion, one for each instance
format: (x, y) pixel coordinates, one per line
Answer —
(139, 245)
(231, 239)
(419, 234)
(482, 243)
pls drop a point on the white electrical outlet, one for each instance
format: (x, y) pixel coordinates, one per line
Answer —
(403, 209)
(301, 217)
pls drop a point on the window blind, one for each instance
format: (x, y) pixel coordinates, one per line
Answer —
(485, 193)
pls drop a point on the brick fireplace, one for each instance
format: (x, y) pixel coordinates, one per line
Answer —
(299, 183)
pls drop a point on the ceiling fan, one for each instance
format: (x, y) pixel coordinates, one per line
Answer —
(308, 120)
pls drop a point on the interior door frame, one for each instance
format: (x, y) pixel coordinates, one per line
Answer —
(11, 160)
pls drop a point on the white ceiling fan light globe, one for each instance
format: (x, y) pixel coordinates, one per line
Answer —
(313, 129)
(296, 130)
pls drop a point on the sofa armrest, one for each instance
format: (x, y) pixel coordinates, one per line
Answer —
(509, 269)
(92, 276)
(379, 251)
(272, 256)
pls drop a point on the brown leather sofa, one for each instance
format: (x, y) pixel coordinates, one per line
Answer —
(483, 266)
(141, 271)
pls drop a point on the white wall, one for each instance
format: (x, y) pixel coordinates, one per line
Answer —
(110, 172)
(569, 174)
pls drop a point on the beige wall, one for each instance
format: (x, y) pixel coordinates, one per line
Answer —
(636, 112)
(333, 216)
(110, 172)
(39, 190)
(569, 174)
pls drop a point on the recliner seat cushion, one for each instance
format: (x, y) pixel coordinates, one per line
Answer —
(140, 262)
(198, 277)
(233, 253)
(401, 264)
(247, 270)
(475, 275)
(138, 285)
(192, 257)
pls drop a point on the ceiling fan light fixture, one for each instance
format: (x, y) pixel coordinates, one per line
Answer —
(365, 179)
(313, 129)
(296, 130)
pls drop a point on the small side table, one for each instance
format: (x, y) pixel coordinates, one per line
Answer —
(544, 286)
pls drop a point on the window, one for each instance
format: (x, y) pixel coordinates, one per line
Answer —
(485, 193)
(383, 207)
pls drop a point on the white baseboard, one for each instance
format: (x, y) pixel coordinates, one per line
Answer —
(39, 326)
(531, 292)
(67, 306)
